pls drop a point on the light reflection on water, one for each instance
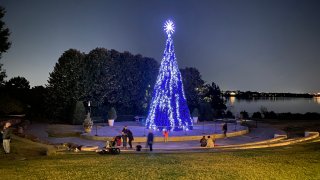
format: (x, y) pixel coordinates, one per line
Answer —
(317, 100)
(278, 105)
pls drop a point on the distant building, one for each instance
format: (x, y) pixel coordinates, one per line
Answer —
(233, 94)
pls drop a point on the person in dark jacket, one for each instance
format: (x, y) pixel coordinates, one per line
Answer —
(6, 137)
(225, 129)
(150, 140)
(203, 141)
(130, 137)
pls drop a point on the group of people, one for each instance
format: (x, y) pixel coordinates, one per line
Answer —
(126, 136)
(210, 142)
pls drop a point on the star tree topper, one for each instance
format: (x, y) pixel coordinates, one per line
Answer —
(169, 27)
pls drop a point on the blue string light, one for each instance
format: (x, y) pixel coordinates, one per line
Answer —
(168, 108)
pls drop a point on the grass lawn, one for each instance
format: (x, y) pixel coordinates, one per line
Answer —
(27, 161)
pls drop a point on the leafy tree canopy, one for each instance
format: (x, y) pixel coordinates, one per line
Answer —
(192, 83)
(4, 43)
(4, 33)
(18, 83)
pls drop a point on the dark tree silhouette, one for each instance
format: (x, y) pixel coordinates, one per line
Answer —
(192, 83)
(256, 115)
(244, 115)
(103, 77)
(4, 43)
(15, 96)
(18, 83)
(64, 88)
(211, 94)
(4, 34)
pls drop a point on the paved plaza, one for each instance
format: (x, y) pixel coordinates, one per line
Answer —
(262, 132)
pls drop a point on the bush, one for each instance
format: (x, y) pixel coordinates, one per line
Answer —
(229, 114)
(256, 115)
(88, 123)
(112, 114)
(78, 113)
(270, 115)
(244, 115)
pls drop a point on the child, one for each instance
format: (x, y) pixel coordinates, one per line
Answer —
(166, 135)
(118, 140)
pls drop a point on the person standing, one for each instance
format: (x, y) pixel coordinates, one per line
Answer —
(150, 140)
(166, 135)
(225, 129)
(6, 136)
(130, 137)
(124, 137)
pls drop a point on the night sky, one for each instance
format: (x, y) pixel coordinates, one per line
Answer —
(258, 45)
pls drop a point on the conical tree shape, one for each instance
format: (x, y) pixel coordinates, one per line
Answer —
(168, 108)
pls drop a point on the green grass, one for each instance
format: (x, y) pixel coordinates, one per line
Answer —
(290, 162)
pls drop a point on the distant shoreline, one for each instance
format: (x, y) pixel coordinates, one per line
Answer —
(250, 95)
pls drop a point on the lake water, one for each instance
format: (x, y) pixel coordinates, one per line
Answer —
(278, 105)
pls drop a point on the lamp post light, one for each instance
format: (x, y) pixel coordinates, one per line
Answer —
(89, 105)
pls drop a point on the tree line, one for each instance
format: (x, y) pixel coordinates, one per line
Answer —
(108, 78)
(105, 78)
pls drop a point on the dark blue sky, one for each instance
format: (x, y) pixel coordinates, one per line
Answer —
(258, 45)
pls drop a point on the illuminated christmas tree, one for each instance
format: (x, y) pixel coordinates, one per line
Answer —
(168, 108)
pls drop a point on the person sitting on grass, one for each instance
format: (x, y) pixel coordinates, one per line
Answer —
(203, 142)
(118, 140)
(138, 147)
(210, 142)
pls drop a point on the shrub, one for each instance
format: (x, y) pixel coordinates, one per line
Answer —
(112, 114)
(88, 123)
(256, 115)
(244, 115)
(229, 114)
(270, 115)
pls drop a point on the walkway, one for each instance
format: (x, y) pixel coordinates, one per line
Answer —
(263, 132)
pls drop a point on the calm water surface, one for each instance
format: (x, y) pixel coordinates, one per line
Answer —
(278, 105)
